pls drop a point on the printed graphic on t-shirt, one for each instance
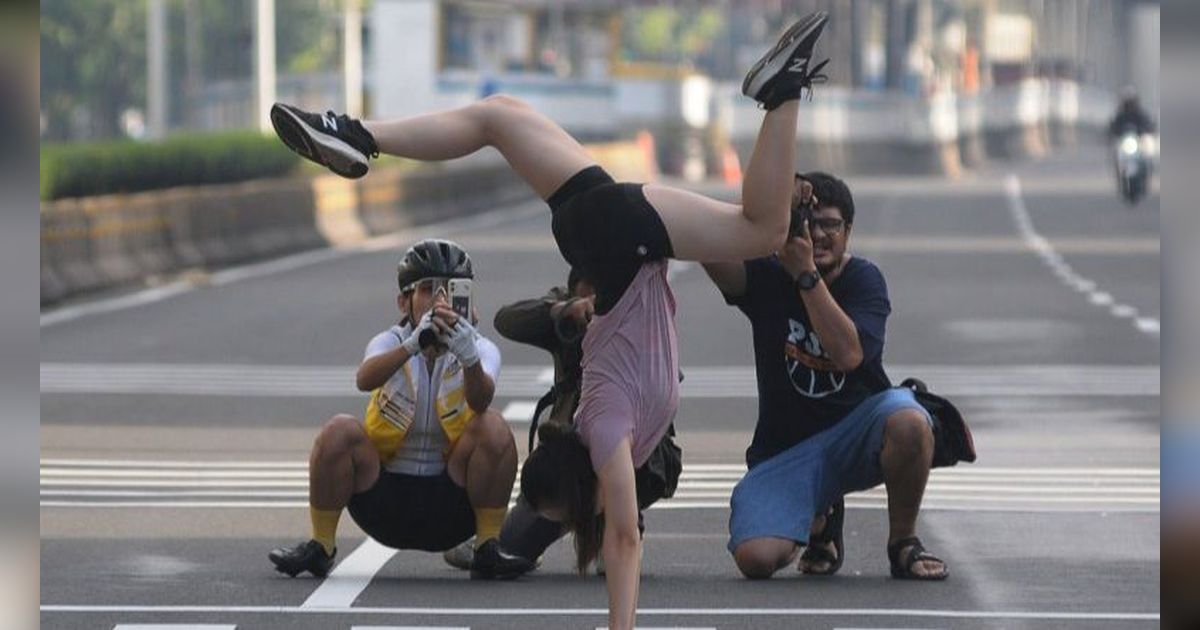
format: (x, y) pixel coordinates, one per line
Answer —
(809, 368)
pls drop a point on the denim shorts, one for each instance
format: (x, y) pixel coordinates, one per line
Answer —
(779, 497)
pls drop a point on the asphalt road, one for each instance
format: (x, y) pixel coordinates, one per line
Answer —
(176, 423)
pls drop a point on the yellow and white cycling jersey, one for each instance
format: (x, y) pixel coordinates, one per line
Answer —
(417, 416)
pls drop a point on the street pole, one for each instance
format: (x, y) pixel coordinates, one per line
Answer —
(352, 71)
(264, 66)
(156, 70)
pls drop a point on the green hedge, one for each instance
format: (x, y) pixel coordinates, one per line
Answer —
(78, 170)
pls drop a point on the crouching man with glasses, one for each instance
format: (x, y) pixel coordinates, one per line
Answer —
(830, 422)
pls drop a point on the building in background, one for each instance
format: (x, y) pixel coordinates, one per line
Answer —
(600, 67)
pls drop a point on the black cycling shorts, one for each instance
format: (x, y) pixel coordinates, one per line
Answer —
(411, 512)
(606, 230)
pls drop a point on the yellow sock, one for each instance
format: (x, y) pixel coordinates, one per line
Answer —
(324, 527)
(488, 522)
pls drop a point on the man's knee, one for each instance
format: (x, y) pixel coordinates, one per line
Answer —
(908, 430)
(339, 434)
(758, 561)
(491, 432)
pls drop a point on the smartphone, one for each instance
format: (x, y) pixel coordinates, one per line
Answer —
(460, 296)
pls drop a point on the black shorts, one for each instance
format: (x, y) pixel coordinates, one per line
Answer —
(411, 512)
(606, 231)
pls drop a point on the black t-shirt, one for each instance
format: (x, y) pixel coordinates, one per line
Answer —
(799, 391)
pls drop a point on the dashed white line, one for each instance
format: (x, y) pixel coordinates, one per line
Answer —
(1062, 270)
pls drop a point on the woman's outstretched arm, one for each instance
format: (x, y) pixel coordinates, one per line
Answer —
(622, 547)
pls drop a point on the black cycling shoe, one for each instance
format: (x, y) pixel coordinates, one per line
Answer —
(338, 142)
(783, 73)
(307, 556)
(493, 563)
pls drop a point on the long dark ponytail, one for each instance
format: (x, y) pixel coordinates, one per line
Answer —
(558, 474)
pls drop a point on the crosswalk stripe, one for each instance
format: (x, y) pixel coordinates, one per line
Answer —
(533, 381)
(410, 628)
(520, 411)
(729, 612)
(173, 626)
(67, 482)
(688, 468)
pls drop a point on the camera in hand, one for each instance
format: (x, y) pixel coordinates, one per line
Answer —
(427, 339)
(800, 213)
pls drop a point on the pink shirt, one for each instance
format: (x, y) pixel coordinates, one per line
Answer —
(630, 370)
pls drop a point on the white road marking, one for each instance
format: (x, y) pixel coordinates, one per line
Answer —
(673, 504)
(350, 577)
(290, 263)
(520, 411)
(1123, 311)
(648, 612)
(172, 626)
(1063, 270)
(1148, 325)
(409, 628)
(241, 380)
(80, 483)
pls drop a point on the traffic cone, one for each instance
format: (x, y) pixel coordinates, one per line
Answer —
(731, 167)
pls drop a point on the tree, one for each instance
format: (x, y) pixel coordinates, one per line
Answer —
(93, 65)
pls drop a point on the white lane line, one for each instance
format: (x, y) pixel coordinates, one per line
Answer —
(1123, 311)
(711, 468)
(1012, 505)
(410, 628)
(688, 469)
(715, 612)
(148, 296)
(519, 411)
(290, 263)
(172, 626)
(1063, 270)
(350, 577)
(524, 382)
(694, 490)
(1148, 325)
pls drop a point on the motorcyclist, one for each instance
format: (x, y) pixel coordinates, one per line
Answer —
(1130, 116)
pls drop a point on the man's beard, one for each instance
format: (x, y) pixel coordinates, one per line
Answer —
(828, 268)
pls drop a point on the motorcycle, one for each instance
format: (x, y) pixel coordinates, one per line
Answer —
(1133, 167)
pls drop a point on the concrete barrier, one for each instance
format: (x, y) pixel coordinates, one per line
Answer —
(105, 241)
(888, 133)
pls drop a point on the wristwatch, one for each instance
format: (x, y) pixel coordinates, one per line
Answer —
(807, 280)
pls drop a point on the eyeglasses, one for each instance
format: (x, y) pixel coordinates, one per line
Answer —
(429, 286)
(832, 227)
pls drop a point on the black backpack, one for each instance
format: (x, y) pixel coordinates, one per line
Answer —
(952, 441)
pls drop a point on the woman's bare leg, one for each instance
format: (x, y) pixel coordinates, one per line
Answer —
(708, 230)
(540, 151)
(545, 156)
